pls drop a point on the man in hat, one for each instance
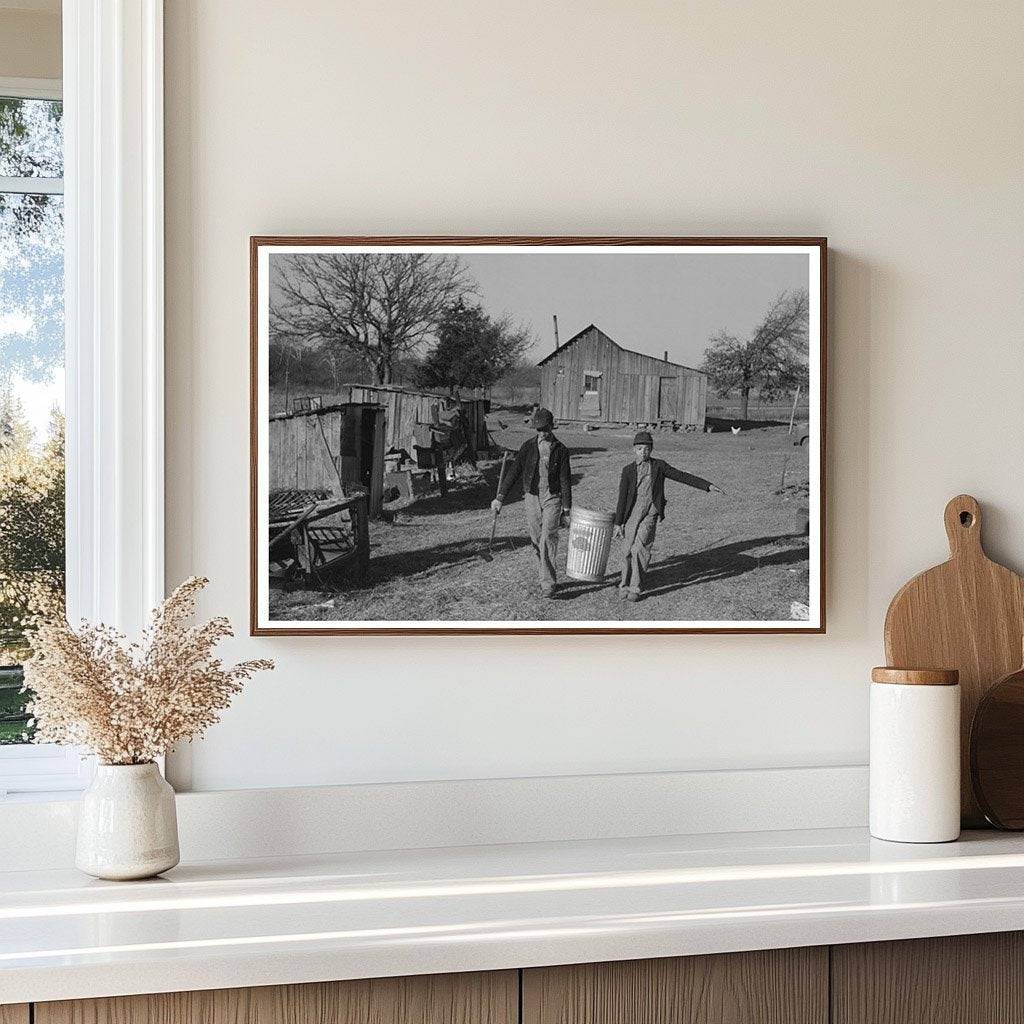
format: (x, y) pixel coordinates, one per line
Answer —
(543, 465)
(641, 505)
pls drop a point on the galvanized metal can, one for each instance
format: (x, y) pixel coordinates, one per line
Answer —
(590, 541)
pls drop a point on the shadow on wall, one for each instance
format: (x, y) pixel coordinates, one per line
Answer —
(854, 288)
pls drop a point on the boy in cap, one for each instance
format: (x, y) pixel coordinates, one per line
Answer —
(641, 505)
(543, 464)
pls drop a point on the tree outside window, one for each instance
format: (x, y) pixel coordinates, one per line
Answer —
(31, 386)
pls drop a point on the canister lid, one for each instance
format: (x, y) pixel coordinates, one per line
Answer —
(916, 676)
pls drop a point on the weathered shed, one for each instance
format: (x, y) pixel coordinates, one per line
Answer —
(405, 409)
(329, 448)
(593, 379)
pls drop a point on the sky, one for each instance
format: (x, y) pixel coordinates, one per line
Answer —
(645, 302)
(31, 271)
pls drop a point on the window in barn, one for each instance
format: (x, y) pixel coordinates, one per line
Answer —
(591, 381)
(31, 415)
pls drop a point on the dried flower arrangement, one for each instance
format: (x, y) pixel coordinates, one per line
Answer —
(129, 703)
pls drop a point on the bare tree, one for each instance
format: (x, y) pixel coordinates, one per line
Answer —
(380, 306)
(773, 359)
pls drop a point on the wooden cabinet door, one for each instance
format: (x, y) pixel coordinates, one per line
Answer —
(481, 998)
(14, 1013)
(961, 979)
(778, 986)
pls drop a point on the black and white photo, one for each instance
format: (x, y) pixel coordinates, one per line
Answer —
(537, 435)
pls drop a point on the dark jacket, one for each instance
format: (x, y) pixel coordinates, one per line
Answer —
(526, 466)
(659, 471)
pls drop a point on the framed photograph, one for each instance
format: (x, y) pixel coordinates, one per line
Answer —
(537, 435)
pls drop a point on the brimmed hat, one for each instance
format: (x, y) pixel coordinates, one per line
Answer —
(542, 419)
(643, 438)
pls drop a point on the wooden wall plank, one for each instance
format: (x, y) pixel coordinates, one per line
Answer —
(479, 998)
(782, 986)
(14, 1013)
(376, 418)
(961, 979)
(629, 385)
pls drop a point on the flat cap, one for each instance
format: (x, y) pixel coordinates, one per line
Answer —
(542, 419)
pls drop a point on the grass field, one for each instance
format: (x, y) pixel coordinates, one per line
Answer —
(739, 555)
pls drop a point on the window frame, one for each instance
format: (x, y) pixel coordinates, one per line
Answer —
(112, 90)
(48, 89)
(36, 768)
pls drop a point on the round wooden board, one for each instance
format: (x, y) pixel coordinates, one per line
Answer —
(997, 752)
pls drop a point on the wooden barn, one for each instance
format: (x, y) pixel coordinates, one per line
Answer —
(406, 409)
(593, 379)
(328, 449)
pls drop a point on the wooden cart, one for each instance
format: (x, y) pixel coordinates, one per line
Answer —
(319, 536)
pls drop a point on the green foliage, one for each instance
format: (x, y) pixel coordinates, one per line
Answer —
(472, 350)
(31, 146)
(14, 718)
(31, 549)
(773, 360)
(31, 526)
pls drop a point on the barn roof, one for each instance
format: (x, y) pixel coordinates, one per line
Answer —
(594, 327)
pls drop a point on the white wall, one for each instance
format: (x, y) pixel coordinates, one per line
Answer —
(895, 129)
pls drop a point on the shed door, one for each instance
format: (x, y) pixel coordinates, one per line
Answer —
(668, 398)
(561, 401)
(590, 400)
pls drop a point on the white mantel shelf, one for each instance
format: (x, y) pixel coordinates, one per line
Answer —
(264, 922)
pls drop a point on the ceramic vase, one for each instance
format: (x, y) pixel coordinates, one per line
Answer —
(127, 825)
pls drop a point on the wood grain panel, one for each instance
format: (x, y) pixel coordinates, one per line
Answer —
(965, 614)
(630, 381)
(480, 998)
(962, 979)
(779, 986)
(14, 1013)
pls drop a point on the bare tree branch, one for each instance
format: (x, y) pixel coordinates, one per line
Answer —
(380, 306)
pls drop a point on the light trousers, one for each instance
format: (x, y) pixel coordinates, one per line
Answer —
(637, 551)
(543, 519)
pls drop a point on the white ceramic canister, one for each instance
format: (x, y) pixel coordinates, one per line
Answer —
(127, 825)
(915, 755)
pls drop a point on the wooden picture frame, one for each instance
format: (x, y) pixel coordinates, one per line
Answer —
(363, 403)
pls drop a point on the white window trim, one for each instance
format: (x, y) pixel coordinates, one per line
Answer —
(114, 322)
(43, 769)
(113, 169)
(31, 88)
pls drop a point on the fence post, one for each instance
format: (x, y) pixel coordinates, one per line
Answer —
(792, 415)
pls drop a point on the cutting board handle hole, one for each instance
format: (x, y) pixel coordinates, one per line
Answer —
(966, 519)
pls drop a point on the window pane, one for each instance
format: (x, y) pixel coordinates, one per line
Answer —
(31, 138)
(31, 432)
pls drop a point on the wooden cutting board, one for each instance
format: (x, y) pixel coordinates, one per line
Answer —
(967, 614)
